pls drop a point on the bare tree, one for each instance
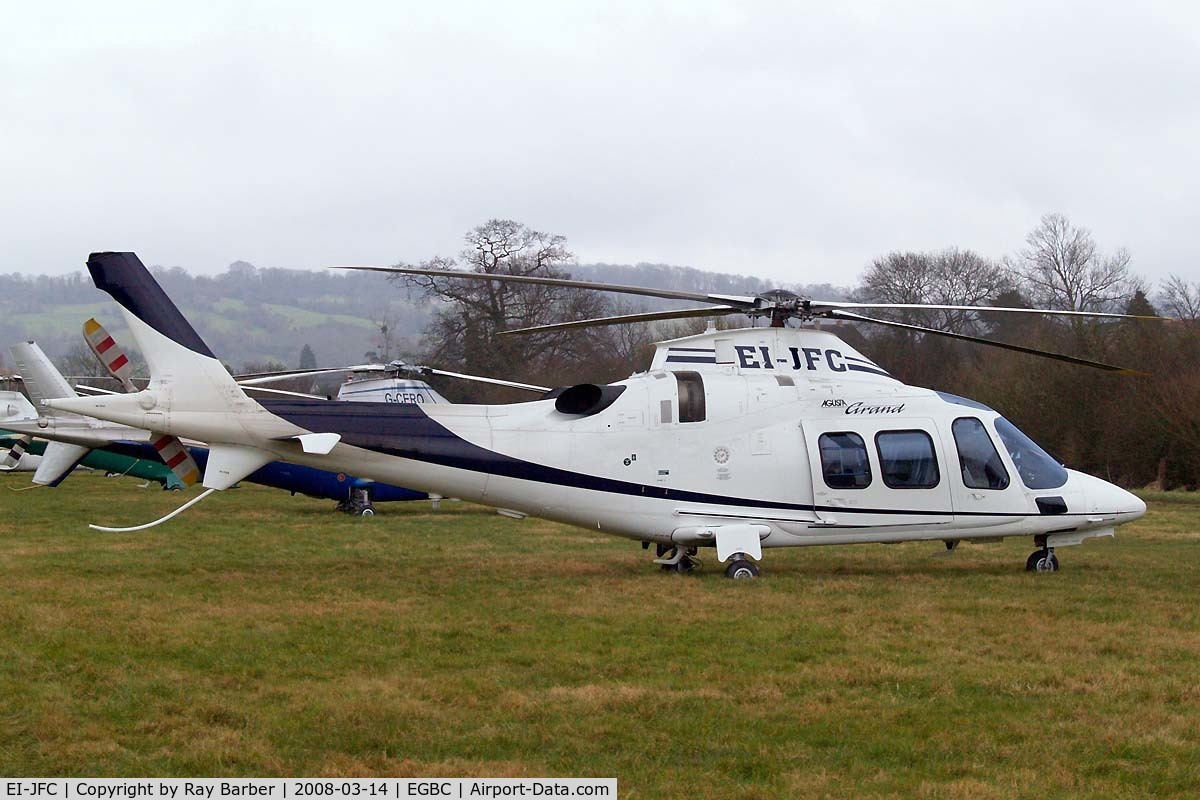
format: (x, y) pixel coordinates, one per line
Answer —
(385, 319)
(947, 277)
(1061, 268)
(464, 330)
(1181, 298)
(80, 362)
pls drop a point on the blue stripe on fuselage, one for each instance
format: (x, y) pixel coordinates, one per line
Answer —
(405, 430)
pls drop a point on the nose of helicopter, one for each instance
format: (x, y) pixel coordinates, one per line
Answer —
(1106, 498)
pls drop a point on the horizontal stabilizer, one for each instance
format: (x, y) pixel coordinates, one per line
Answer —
(58, 461)
(318, 443)
(14, 405)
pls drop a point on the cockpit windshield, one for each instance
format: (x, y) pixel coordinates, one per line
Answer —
(1038, 470)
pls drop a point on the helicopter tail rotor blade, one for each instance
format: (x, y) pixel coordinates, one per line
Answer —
(652, 316)
(111, 354)
(1083, 362)
(668, 294)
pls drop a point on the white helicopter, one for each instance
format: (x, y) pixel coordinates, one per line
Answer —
(738, 440)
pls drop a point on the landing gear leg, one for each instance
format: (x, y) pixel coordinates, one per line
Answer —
(677, 559)
(360, 503)
(741, 568)
(1042, 560)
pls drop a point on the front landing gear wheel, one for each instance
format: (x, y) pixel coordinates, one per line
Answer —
(741, 568)
(1042, 561)
(369, 511)
(680, 560)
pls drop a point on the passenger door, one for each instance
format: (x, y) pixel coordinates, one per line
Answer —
(855, 486)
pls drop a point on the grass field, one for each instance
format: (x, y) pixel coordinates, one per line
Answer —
(266, 635)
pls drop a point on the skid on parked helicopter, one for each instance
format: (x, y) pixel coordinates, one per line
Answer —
(740, 439)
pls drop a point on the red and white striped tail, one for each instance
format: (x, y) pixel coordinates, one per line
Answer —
(176, 456)
(111, 354)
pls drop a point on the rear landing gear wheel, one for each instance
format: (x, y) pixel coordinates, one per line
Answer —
(1042, 561)
(741, 569)
(359, 503)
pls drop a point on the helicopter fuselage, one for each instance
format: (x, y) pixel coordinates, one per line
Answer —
(774, 436)
(811, 451)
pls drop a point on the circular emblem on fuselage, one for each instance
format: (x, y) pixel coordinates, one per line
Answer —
(721, 455)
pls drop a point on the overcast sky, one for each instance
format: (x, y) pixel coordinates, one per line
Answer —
(796, 141)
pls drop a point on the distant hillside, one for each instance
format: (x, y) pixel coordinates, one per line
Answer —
(253, 316)
(688, 279)
(247, 315)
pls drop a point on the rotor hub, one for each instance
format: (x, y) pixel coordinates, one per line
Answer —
(781, 305)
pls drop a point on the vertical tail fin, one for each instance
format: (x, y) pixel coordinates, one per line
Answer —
(126, 279)
(42, 379)
(173, 350)
(190, 393)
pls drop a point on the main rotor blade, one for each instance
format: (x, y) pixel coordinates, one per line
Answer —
(258, 378)
(255, 378)
(823, 304)
(668, 294)
(265, 390)
(1083, 362)
(651, 316)
(93, 390)
(529, 387)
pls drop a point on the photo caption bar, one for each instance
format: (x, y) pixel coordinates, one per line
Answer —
(301, 788)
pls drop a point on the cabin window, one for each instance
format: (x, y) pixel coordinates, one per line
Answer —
(844, 461)
(907, 460)
(977, 456)
(1038, 470)
(691, 396)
